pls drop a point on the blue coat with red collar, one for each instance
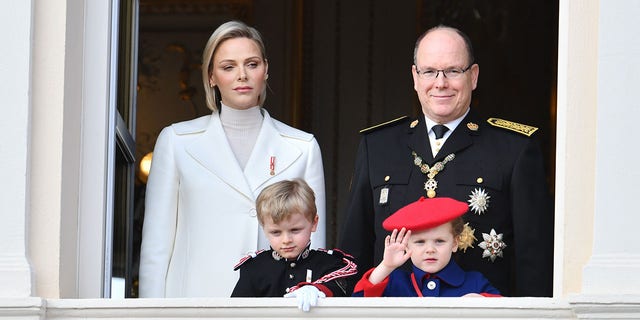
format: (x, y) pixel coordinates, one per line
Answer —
(451, 281)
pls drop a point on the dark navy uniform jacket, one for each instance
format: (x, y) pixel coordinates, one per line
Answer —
(451, 281)
(506, 166)
(269, 275)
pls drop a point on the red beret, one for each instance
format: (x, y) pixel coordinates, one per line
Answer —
(425, 214)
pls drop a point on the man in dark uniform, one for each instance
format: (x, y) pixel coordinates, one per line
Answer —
(494, 165)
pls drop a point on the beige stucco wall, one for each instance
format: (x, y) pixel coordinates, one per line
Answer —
(47, 106)
(69, 166)
(576, 143)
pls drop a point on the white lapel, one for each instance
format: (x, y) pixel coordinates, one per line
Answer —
(270, 143)
(212, 151)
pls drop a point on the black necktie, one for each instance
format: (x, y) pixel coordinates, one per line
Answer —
(439, 130)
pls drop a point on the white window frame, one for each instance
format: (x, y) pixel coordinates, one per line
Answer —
(95, 192)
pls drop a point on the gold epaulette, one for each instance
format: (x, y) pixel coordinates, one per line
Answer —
(513, 126)
(382, 125)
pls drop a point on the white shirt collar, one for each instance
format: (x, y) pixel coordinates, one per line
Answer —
(436, 144)
(452, 125)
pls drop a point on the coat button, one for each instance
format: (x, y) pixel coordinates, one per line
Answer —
(293, 264)
(291, 276)
(431, 285)
(253, 212)
(479, 180)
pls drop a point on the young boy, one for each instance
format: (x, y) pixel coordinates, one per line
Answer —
(287, 214)
(429, 232)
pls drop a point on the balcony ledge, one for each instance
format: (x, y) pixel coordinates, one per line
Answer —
(573, 307)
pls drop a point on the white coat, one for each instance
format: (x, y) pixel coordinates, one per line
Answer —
(200, 215)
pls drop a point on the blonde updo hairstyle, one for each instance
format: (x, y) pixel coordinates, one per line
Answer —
(226, 31)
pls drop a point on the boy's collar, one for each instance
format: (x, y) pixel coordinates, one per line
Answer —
(303, 255)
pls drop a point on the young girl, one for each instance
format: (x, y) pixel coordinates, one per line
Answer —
(429, 232)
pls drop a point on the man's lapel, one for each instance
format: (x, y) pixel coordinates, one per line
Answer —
(418, 140)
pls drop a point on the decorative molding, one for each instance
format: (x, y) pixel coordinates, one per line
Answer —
(575, 307)
(22, 308)
(600, 306)
(604, 273)
(15, 276)
(190, 16)
(234, 7)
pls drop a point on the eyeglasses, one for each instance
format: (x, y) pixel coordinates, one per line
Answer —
(449, 73)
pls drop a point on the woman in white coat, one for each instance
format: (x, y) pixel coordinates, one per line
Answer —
(200, 216)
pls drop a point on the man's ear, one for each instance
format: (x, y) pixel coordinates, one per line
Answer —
(414, 74)
(475, 73)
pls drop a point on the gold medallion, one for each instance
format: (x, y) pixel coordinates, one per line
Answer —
(431, 171)
(466, 238)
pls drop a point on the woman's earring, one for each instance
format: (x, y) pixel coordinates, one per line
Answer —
(266, 76)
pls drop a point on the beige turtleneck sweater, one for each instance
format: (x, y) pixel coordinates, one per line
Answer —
(241, 128)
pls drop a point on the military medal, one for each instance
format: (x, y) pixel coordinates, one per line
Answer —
(493, 245)
(272, 165)
(431, 184)
(466, 238)
(309, 277)
(479, 201)
(384, 195)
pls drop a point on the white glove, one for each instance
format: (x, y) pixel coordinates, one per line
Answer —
(307, 296)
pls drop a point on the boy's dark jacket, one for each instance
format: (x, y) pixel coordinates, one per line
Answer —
(267, 274)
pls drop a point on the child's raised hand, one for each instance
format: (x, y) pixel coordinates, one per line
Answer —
(396, 252)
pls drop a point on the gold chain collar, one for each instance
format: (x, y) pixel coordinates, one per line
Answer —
(431, 184)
